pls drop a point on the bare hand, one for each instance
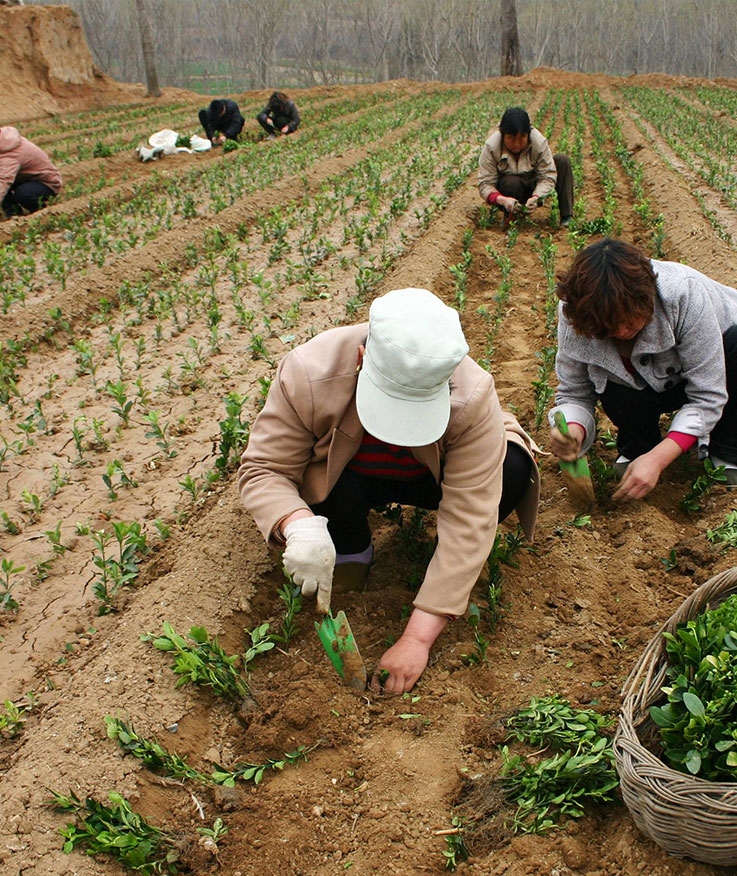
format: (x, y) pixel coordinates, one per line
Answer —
(269, 121)
(641, 476)
(285, 129)
(531, 203)
(567, 447)
(405, 662)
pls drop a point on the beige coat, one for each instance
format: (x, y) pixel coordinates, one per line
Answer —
(535, 163)
(309, 430)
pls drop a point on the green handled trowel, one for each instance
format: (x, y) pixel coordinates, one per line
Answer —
(340, 645)
(576, 474)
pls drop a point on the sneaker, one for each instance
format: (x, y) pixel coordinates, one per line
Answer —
(730, 469)
(620, 465)
(564, 223)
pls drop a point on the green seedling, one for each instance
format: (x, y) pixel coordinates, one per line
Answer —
(261, 643)
(151, 753)
(202, 662)
(456, 849)
(57, 480)
(671, 561)
(34, 505)
(164, 529)
(189, 485)
(699, 489)
(54, 537)
(160, 433)
(119, 392)
(291, 596)
(726, 533)
(116, 572)
(9, 525)
(481, 643)
(254, 772)
(116, 468)
(14, 715)
(234, 432)
(118, 831)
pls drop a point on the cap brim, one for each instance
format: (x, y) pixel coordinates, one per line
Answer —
(408, 423)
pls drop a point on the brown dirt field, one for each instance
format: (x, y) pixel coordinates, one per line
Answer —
(376, 785)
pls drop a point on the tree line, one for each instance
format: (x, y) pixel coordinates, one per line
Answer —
(233, 45)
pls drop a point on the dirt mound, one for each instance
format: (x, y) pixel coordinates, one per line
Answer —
(46, 66)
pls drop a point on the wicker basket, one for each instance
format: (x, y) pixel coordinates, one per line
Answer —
(686, 816)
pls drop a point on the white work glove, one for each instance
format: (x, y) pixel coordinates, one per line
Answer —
(309, 558)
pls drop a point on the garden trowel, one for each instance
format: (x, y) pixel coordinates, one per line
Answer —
(340, 645)
(576, 474)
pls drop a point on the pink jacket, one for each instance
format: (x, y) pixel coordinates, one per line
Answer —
(309, 430)
(21, 160)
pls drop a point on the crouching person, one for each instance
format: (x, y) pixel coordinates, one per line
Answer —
(222, 121)
(390, 411)
(517, 170)
(28, 177)
(279, 116)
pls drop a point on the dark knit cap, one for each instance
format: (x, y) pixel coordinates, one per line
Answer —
(216, 107)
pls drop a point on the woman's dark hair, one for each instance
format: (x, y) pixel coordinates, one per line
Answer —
(515, 121)
(610, 283)
(278, 100)
(216, 107)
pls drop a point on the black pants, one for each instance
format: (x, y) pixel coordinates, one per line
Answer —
(210, 129)
(29, 195)
(354, 495)
(636, 412)
(521, 187)
(279, 122)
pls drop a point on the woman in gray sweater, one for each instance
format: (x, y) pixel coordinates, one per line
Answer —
(644, 338)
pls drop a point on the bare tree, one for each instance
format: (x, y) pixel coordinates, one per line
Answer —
(147, 47)
(511, 56)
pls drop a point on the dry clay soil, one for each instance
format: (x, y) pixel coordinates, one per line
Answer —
(376, 786)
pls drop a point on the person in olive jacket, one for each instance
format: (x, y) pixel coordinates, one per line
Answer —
(222, 121)
(279, 116)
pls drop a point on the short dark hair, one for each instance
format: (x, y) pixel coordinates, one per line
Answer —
(515, 121)
(608, 284)
(216, 107)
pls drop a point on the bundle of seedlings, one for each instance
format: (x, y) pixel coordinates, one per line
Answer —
(698, 723)
(118, 831)
(676, 743)
(571, 769)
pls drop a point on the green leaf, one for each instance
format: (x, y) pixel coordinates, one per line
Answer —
(694, 705)
(693, 762)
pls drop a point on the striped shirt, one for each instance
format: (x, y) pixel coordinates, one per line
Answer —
(376, 459)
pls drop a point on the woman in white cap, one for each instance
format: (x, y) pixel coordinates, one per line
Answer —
(390, 411)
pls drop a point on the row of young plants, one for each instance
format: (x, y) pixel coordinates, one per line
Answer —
(720, 98)
(40, 258)
(709, 149)
(113, 828)
(448, 167)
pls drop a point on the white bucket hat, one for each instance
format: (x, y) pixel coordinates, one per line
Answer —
(415, 342)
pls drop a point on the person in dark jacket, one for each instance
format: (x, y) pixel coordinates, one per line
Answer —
(279, 116)
(222, 121)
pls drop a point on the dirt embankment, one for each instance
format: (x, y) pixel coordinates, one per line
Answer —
(46, 66)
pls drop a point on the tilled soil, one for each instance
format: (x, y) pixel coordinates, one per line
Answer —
(382, 775)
